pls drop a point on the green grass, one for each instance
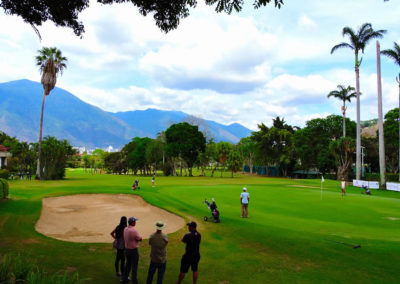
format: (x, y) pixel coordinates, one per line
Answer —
(287, 239)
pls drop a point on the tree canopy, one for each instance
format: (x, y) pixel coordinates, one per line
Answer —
(64, 13)
(185, 141)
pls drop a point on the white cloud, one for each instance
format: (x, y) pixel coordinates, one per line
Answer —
(248, 67)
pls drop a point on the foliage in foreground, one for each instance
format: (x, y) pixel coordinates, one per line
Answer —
(18, 269)
(4, 188)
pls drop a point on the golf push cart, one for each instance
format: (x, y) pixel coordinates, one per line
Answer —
(214, 211)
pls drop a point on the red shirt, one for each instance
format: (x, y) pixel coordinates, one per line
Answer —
(131, 237)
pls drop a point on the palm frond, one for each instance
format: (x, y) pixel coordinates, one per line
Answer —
(341, 45)
(365, 28)
(348, 31)
(393, 54)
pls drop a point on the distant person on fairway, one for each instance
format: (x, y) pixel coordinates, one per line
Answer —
(244, 200)
(191, 257)
(118, 234)
(135, 185)
(158, 255)
(132, 239)
(343, 187)
(153, 180)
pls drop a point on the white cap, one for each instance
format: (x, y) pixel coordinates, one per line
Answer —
(244, 189)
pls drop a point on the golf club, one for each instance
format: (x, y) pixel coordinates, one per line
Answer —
(346, 244)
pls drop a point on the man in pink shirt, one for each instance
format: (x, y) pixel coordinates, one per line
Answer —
(132, 239)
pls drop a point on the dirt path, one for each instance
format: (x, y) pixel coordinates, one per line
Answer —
(90, 218)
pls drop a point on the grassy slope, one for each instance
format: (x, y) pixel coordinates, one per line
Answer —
(286, 238)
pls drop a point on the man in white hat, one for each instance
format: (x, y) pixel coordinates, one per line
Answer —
(244, 200)
(158, 256)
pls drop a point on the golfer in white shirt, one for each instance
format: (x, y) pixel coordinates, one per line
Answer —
(244, 200)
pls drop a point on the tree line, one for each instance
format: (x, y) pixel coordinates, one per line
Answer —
(319, 146)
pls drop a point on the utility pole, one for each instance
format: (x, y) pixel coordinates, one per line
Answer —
(382, 165)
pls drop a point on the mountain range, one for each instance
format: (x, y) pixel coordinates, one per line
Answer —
(85, 125)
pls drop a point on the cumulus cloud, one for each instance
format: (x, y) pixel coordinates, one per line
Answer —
(248, 67)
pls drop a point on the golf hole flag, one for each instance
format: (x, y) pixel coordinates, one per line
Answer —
(322, 180)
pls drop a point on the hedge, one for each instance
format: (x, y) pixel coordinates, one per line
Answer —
(3, 188)
(4, 173)
(377, 177)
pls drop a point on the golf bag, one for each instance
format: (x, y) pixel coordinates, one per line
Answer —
(135, 185)
(214, 211)
(367, 191)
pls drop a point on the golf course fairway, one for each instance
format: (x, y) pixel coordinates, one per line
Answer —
(296, 232)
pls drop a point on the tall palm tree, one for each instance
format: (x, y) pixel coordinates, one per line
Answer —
(358, 42)
(344, 94)
(394, 54)
(51, 63)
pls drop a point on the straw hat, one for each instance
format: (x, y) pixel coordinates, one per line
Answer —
(160, 225)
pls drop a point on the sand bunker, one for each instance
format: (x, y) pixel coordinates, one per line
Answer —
(90, 218)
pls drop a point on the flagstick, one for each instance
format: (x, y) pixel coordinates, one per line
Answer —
(321, 189)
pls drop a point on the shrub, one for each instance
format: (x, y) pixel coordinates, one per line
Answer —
(4, 173)
(18, 269)
(330, 176)
(377, 177)
(3, 189)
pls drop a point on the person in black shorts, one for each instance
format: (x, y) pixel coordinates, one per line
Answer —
(191, 257)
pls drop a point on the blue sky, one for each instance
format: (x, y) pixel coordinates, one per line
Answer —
(248, 67)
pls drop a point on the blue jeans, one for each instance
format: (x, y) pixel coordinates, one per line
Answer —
(152, 269)
(132, 260)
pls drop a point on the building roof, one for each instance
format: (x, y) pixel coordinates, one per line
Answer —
(4, 149)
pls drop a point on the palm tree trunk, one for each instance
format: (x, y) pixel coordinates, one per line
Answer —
(358, 138)
(38, 169)
(344, 119)
(382, 165)
(399, 127)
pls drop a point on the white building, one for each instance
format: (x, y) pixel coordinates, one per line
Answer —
(4, 154)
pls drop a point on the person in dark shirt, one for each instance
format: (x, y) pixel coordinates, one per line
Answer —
(118, 234)
(191, 257)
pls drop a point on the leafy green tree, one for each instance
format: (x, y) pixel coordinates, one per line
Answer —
(185, 141)
(394, 54)
(167, 14)
(391, 132)
(358, 42)
(223, 150)
(247, 148)
(234, 161)
(23, 154)
(114, 162)
(98, 156)
(343, 149)
(86, 161)
(344, 94)
(275, 145)
(55, 154)
(207, 157)
(154, 153)
(371, 153)
(51, 63)
(137, 157)
(312, 142)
